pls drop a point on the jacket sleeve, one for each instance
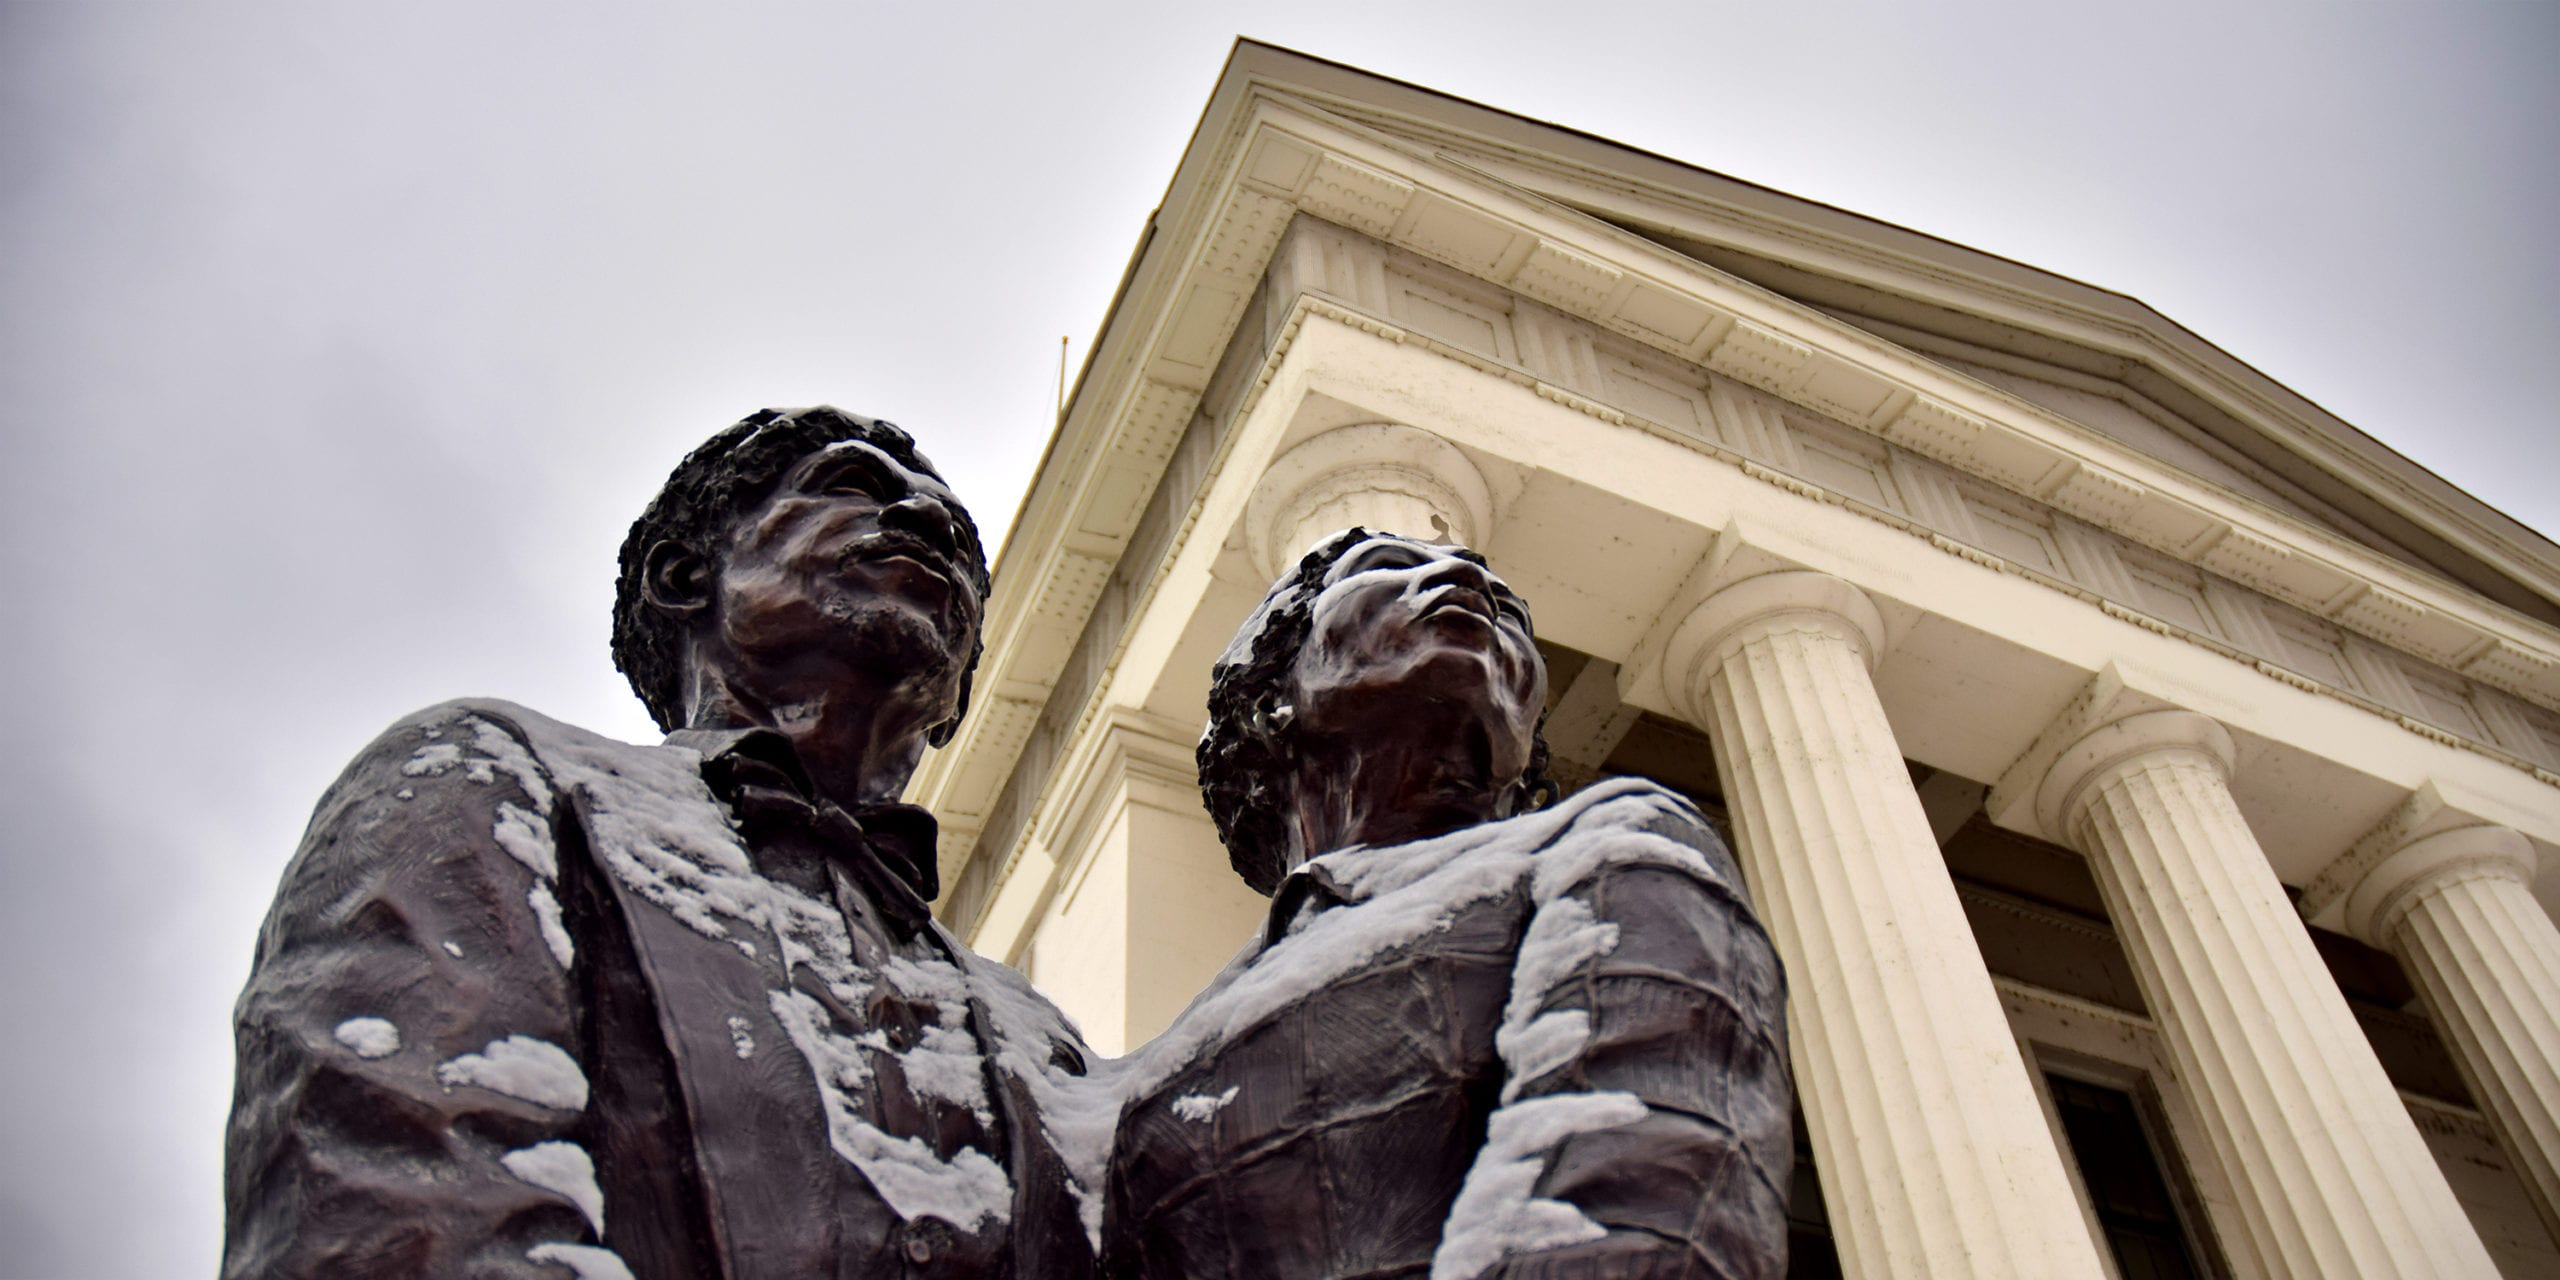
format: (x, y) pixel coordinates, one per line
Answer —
(407, 1092)
(1643, 1128)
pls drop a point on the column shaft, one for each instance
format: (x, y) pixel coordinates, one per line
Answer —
(2331, 1174)
(2486, 960)
(1934, 1153)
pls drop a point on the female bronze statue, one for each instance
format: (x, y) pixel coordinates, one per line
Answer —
(1477, 1036)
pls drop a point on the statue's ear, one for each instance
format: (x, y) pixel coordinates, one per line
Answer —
(676, 578)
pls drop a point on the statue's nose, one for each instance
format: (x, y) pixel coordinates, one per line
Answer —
(1454, 572)
(925, 516)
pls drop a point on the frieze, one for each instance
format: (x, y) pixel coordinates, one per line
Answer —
(1724, 402)
(1669, 318)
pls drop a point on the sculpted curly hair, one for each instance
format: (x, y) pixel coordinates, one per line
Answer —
(707, 493)
(1248, 754)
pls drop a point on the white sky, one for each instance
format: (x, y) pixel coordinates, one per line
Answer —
(339, 344)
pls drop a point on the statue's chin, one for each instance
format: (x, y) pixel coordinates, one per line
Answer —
(907, 645)
(883, 641)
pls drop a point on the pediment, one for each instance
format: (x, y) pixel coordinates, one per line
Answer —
(2100, 359)
(2028, 387)
(2141, 402)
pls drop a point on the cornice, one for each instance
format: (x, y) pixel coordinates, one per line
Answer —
(1583, 172)
(1265, 155)
(1699, 315)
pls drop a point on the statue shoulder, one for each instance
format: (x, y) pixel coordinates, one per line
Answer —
(471, 770)
(410, 995)
(1629, 821)
(467, 740)
(1637, 804)
(492, 742)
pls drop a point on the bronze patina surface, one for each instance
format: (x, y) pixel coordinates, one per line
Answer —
(535, 1003)
(1477, 1037)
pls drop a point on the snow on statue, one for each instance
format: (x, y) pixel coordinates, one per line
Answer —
(1476, 1037)
(531, 1002)
(535, 1003)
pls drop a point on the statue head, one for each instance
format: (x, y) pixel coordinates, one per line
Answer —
(797, 539)
(1382, 676)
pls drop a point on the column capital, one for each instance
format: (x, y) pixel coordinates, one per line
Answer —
(1384, 475)
(2126, 743)
(2105, 725)
(1792, 599)
(2406, 876)
(2343, 895)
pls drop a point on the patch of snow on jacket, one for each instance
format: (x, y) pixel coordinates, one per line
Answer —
(555, 935)
(369, 1038)
(1078, 1112)
(1198, 1107)
(1563, 936)
(965, 1190)
(1495, 1214)
(565, 1170)
(585, 1261)
(536, 1071)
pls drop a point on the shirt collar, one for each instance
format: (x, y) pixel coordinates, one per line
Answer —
(1357, 873)
(904, 837)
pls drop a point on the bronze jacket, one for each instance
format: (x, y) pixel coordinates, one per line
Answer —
(531, 1002)
(1549, 1046)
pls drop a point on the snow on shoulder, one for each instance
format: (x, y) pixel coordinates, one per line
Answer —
(1402, 893)
(536, 1071)
(369, 1037)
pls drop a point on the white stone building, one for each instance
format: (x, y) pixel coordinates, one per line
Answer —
(2143, 773)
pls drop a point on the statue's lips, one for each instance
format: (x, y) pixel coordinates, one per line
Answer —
(1458, 602)
(883, 548)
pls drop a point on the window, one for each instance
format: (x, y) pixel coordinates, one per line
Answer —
(2138, 1215)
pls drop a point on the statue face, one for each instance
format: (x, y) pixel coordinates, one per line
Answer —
(853, 559)
(1403, 629)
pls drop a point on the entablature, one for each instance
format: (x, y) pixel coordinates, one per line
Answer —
(1625, 330)
(2040, 538)
(1866, 271)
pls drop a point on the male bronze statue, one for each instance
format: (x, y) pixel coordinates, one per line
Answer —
(535, 1003)
(1476, 1037)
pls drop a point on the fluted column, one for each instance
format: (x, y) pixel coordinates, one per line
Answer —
(2331, 1175)
(1935, 1156)
(2455, 908)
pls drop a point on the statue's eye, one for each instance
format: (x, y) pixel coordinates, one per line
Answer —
(1383, 555)
(852, 474)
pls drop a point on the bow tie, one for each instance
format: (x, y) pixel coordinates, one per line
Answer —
(886, 848)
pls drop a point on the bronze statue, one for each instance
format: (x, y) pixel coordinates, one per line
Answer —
(535, 1003)
(1476, 1037)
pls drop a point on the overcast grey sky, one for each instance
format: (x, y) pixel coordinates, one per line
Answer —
(339, 343)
